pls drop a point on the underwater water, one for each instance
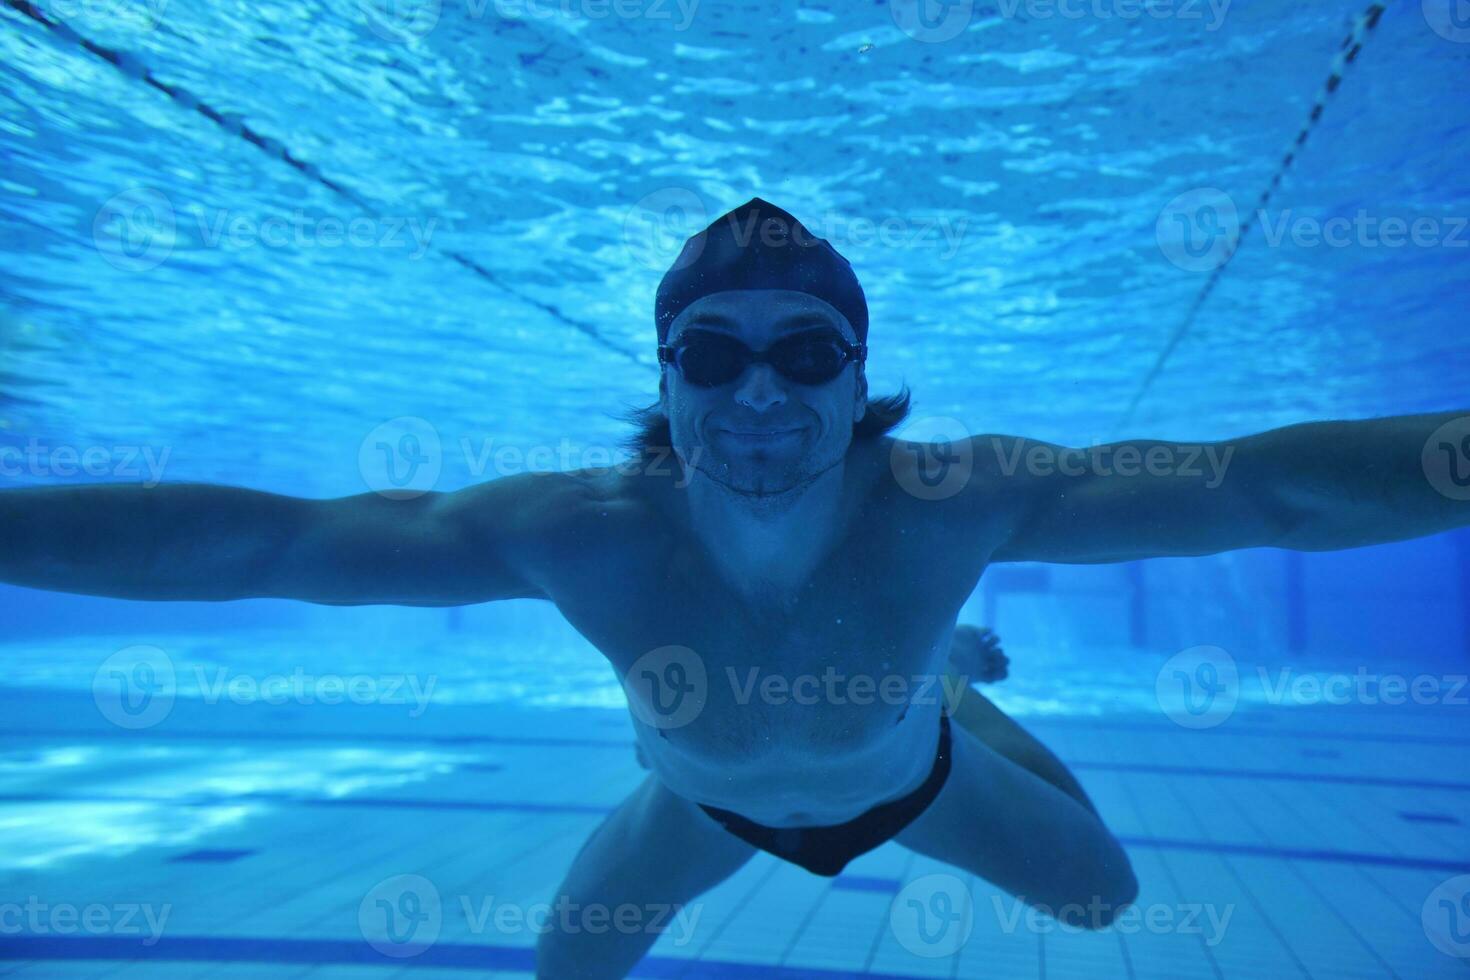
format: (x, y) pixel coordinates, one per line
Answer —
(330, 247)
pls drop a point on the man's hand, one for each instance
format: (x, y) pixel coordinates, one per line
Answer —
(975, 652)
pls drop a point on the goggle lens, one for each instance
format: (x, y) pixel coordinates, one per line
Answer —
(711, 359)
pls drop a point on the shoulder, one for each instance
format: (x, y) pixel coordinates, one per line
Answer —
(978, 482)
(572, 514)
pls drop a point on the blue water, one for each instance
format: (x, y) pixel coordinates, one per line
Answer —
(248, 243)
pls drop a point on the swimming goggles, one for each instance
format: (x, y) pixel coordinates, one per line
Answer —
(709, 359)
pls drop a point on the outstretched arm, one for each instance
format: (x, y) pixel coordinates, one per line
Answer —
(1317, 486)
(207, 542)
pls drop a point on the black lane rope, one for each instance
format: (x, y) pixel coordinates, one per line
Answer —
(134, 69)
(1348, 53)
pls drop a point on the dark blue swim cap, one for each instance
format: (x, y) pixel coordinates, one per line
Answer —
(759, 246)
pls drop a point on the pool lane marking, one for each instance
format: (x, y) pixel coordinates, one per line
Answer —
(235, 125)
(1347, 54)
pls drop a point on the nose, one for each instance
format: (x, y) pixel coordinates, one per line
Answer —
(759, 389)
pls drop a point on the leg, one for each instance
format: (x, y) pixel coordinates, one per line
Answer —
(655, 850)
(1006, 824)
(976, 713)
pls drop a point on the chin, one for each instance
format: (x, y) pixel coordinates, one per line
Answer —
(754, 475)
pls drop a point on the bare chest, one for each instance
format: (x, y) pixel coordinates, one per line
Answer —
(740, 675)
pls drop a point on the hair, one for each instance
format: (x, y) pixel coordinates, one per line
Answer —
(883, 415)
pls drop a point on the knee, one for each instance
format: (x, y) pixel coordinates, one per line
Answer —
(1115, 891)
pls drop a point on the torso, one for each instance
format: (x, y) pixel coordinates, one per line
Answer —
(819, 702)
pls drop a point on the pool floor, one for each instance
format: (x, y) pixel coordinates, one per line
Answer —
(267, 841)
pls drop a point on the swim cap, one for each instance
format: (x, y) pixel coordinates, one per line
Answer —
(759, 246)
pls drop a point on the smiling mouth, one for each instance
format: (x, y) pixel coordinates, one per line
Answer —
(761, 435)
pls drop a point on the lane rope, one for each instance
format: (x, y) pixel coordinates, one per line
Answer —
(1346, 56)
(233, 124)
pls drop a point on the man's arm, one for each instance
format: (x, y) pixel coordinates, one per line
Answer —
(1318, 486)
(207, 542)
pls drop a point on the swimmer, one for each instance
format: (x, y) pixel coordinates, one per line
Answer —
(772, 536)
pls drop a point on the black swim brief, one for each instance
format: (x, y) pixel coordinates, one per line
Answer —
(826, 850)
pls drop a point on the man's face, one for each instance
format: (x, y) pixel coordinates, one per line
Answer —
(762, 433)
